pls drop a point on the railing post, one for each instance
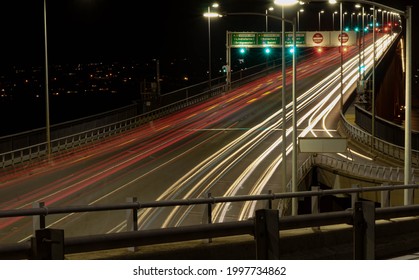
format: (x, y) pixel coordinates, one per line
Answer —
(267, 234)
(38, 222)
(132, 216)
(48, 244)
(209, 215)
(354, 196)
(364, 230)
(385, 198)
(270, 200)
(315, 205)
(132, 220)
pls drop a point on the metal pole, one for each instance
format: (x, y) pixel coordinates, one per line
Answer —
(48, 131)
(209, 47)
(158, 77)
(294, 123)
(333, 21)
(298, 20)
(363, 42)
(319, 21)
(373, 80)
(408, 142)
(284, 109)
(266, 20)
(341, 57)
(228, 58)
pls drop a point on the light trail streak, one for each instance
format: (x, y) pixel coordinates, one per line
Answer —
(249, 206)
(220, 211)
(218, 164)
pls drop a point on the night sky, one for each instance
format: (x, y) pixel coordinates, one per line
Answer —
(118, 30)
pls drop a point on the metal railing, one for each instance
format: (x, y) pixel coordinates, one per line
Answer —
(137, 237)
(356, 169)
(378, 145)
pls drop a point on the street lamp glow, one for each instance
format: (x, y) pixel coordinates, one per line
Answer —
(285, 2)
(212, 15)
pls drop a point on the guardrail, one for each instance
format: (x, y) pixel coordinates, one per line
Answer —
(376, 144)
(356, 169)
(45, 242)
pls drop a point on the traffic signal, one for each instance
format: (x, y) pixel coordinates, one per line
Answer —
(267, 51)
(242, 50)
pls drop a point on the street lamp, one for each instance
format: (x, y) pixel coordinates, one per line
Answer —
(47, 124)
(352, 20)
(210, 15)
(343, 19)
(298, 18)
(321, 12)
(284, 3)
(333, 20)
(266, 18)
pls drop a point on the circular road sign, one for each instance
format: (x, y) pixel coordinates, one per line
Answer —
(318, 38)
(344, 37)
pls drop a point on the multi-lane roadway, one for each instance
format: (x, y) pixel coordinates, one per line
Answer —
(229, 145)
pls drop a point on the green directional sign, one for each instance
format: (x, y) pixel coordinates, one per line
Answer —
(263, 39)
(269, 39)
(300, 38)
(243, 39)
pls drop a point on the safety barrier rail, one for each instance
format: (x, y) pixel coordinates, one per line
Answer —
(134, 237)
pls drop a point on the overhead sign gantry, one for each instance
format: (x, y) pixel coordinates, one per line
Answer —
(303, 39)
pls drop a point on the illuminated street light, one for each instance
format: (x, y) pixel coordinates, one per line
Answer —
(298, 18)
(321, 12)
(47, 124)
(333, 20)
(283, 3)
(210, 15)
(266, 18)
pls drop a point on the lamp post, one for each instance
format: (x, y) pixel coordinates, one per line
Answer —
(266, 18)
(294, 203)
(298, 18)
(284, 3)
(352, 20)
(210, 15)
(321, 12)
(343, 16)
(47, 124)
(333, 20)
